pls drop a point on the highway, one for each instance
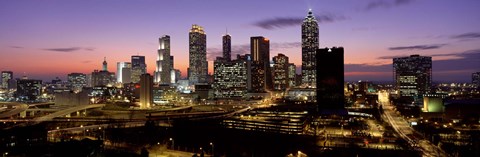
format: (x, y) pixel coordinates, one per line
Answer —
(66, 111)
(18, 108)
(401, 126)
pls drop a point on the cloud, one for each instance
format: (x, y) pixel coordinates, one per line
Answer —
(385, 4)
(87, 61)
(467, 36)
(69, 49)
(282, 22)
(418, 47)
(16, 47)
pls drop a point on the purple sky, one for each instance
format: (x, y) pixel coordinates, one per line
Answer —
(50, 38)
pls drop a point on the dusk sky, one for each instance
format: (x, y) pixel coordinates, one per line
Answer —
(51, 38)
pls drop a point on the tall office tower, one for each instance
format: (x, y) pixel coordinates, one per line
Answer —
(138, 68)
(227, 47)
(77, 81)
(163, 70)
(280, 72)
(104, 67)
(476, 79)
(248, 59)
(413, 75)
(198, 66)
(292, 71)
(146, 91)
(120, 73)
(230, 78)
(29, 89)
(103, 77)
(172, 61)
(309, 48)
(6, 77)
(261, 74)
(330, 78)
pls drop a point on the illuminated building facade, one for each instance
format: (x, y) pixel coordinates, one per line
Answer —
(77, 81)
(413, 75)
(7, 76)
(163, 71)
(198, 66)
(138, 68)
(476, 79)
(280, 72)
(230, 78)
(28, 89)
(330, 78)
(103, 77)
(146, 91)
(292, 71)
(309, 47)
(261, 73)
(123, 72)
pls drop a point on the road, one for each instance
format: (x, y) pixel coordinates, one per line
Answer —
(18, 108)
(401, 126)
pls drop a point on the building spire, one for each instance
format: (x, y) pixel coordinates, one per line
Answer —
(105, 64)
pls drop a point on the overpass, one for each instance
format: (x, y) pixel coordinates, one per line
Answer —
(66, 112)
(18, 108)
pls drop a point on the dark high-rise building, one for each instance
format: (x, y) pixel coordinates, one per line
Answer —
(261, 73)
(309, 48)
(164, 66)
(138, 68)
(330, 78)
(146, 91)
(198, 65)
(6, 77)
(77, 81)
(412, 75)
(227, 47)
(230, 78)
(29, 89)
(280, 72)
(476, 79)
(103, 77)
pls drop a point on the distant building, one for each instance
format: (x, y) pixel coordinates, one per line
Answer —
(476, 79)
(292, 71)
(123, 72)
(310, 44)
(280, 72)
(413, 75)
(138, 68)
(230, 78)
(260, 71)
(198, 65)
(29, 89)
(227, 47)
(72, 98)
(330, 78)
(7, 76)
(146, 91)
(77, 81)
(163, 71)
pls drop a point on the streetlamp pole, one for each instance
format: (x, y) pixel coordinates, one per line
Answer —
(173, 143)
(213, 149)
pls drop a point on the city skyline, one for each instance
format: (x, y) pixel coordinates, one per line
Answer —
(372, 32)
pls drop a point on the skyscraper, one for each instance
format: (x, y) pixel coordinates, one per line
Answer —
(138, 68)
(330, 78)
(105, 67)
(77, 81)
(198, 66)
(309, 48)
(6, 77)
(292, 71)
(123, 71)
(280, 72)
(227, 47)
(103, 77)
(260, 53)
(413, 75)
(163, 70)
(146, 91)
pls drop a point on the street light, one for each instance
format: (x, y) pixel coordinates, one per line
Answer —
(213, 149)
(173, 143)
(5, 154)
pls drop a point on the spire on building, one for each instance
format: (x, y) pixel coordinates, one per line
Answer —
(105, 64)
